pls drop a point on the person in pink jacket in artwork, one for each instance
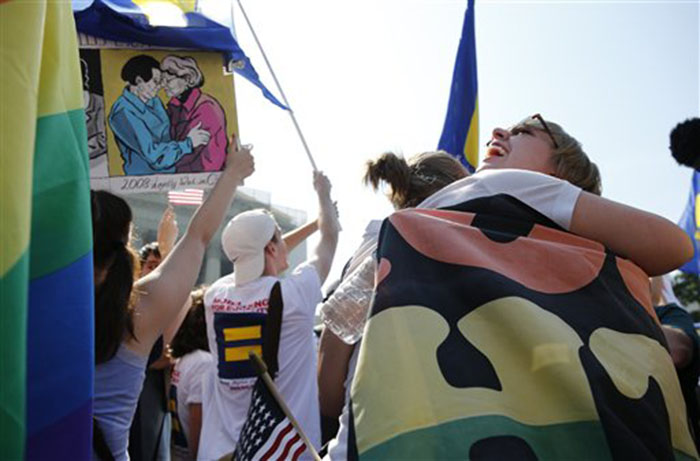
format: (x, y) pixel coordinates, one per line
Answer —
(188, 108)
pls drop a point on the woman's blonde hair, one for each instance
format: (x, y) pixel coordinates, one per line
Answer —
(570, 161)
(415, 179)
(183, 67)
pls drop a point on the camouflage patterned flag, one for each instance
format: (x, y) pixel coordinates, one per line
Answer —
(495, 338)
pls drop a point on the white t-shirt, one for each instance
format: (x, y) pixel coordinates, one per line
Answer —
(186, 389)
(554, 198)
(232, 314)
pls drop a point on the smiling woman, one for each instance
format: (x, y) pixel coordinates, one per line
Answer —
(538, 145)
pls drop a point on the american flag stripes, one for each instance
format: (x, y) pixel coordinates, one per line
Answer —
(267, 433)
(186, 197)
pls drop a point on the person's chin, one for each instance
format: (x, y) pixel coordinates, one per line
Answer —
(486, 165)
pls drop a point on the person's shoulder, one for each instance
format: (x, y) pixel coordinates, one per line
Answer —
(304, 276)
(207, 103)
(507, 175)
(122, 106)
(224, 283)
(198, 357)
(304, 270)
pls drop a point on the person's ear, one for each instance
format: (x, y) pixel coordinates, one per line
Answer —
(139, 80)
(270, 248)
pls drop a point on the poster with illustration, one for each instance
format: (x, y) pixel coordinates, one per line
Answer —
(156, 119)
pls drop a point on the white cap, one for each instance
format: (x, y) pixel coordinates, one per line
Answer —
(244, 239)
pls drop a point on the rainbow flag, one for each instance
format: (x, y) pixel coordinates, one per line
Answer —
(460, 134)
(494, 334)
(46, 281)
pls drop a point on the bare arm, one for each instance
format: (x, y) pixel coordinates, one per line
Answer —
(653, 243)
(298, 235)
(322, 256)
(171, 330)
(162, 293)
(333, 359)
(195, 426)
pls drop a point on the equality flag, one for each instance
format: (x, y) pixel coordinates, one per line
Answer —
(494, 334)
(690, 223)
(138, 21)
(460, 135)
(267, 433)
(46, 279)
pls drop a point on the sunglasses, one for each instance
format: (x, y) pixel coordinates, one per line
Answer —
(544, 125)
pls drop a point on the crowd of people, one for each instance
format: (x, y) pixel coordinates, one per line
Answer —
(153, 326)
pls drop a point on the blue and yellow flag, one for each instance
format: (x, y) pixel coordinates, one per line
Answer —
(460, 135)
(167, 24)
(690, 222)
(494, 334)
(46, 279)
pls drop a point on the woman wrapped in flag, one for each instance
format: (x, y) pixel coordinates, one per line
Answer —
(535, 186)
(130, 316)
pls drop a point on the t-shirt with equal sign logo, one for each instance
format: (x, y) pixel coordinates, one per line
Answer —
(236, 319)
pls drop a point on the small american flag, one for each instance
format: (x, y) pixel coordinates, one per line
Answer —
(267, 433)
(186, 197)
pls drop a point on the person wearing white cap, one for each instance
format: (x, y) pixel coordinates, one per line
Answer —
(254, 308)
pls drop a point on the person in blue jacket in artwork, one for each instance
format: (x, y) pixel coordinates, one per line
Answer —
(141, 125)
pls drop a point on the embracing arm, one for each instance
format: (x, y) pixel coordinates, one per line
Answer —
(162, 293)
(130, 129)
(653, 243)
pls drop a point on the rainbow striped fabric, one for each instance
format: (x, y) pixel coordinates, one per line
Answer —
(494, 334)
(46, 281)
(460, 134)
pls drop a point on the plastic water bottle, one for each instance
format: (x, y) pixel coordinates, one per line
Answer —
(345, 312)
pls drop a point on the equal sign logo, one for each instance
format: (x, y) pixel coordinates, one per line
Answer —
(186, 197)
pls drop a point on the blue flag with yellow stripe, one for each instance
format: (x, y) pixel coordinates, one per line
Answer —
(689, 222)
(460, 135)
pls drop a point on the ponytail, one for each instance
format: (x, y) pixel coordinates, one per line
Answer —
(115, 264)
(113, 313)
(393, 170)
(414, 180)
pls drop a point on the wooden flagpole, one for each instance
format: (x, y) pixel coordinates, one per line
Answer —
(261, 370)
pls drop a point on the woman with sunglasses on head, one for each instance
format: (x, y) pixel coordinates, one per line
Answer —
(131, 315)
(543, 167)
(524, 161)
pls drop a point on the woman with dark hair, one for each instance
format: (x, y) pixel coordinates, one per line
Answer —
(130, 316)
(190, 349)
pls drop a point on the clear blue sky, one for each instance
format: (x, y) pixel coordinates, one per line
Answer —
(368, 76)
